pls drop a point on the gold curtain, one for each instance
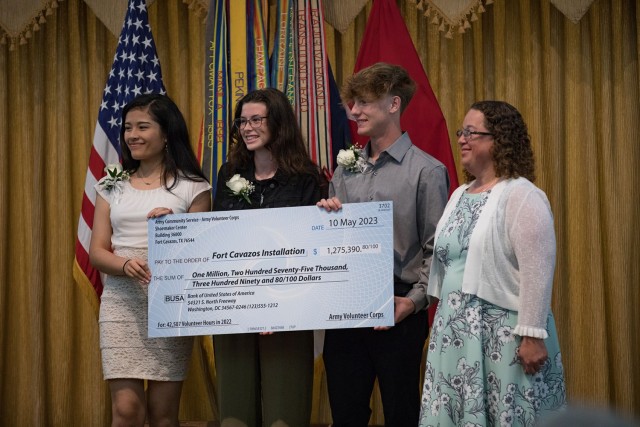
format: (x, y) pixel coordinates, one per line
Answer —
(577, 86)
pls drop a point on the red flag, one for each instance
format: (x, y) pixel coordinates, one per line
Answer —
(386, 39)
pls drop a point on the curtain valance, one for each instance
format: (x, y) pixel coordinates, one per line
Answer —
(20, 18)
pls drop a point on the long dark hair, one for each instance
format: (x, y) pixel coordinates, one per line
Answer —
(179, 159)
(286, 143)
(512, 153)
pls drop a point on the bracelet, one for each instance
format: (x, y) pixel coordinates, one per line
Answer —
(124, 265)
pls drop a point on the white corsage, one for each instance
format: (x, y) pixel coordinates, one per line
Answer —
(351, 159)
(240, 187)
(115, 177)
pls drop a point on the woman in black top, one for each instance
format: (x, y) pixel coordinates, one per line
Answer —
(264, 378)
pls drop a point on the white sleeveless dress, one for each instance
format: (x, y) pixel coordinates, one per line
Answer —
(126, 350)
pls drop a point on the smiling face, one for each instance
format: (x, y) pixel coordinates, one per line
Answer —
(373, 117)
(475, 151)
(255, 138)
(143, 136)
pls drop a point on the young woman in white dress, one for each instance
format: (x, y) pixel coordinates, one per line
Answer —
(160, 176)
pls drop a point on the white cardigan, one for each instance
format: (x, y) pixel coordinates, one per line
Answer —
(512, 253)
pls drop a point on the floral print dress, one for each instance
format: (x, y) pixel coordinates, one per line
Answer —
(473, 377)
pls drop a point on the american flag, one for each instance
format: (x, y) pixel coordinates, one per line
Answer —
(135, 70)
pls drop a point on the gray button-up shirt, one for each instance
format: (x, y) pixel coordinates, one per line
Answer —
(418, 185)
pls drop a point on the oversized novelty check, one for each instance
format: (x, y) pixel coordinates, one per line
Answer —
(270, 270)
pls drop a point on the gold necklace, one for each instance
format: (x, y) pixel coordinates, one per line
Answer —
(145, 182)
(486, 187)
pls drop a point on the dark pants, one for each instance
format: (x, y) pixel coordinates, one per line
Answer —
(353, 358)
(263, 379)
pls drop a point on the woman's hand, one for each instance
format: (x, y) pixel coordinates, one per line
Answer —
(137, 269)
(331, 204)
(532, 354)
(156, 212)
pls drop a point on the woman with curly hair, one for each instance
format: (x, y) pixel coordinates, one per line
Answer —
(493, 355)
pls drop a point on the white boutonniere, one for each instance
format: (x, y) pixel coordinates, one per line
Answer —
(240, 187)
(351, 159)
(115, 177)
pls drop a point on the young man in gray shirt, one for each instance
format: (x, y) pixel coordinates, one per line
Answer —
(393, 169)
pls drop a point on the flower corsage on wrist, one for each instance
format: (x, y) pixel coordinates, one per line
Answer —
(240, 187)
(351, 159)
(115, 177)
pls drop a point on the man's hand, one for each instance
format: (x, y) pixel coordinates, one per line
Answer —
(402, 307)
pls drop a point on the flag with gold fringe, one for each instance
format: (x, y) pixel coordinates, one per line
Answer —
(135, 70)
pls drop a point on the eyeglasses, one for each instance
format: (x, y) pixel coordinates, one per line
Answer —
(255, 122)
(467, 133)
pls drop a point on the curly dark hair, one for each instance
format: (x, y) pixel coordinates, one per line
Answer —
(378, 80)
(286, 144)
(511, 151)
(179, 159)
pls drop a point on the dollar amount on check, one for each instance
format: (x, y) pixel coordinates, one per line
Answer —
(271, 270)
